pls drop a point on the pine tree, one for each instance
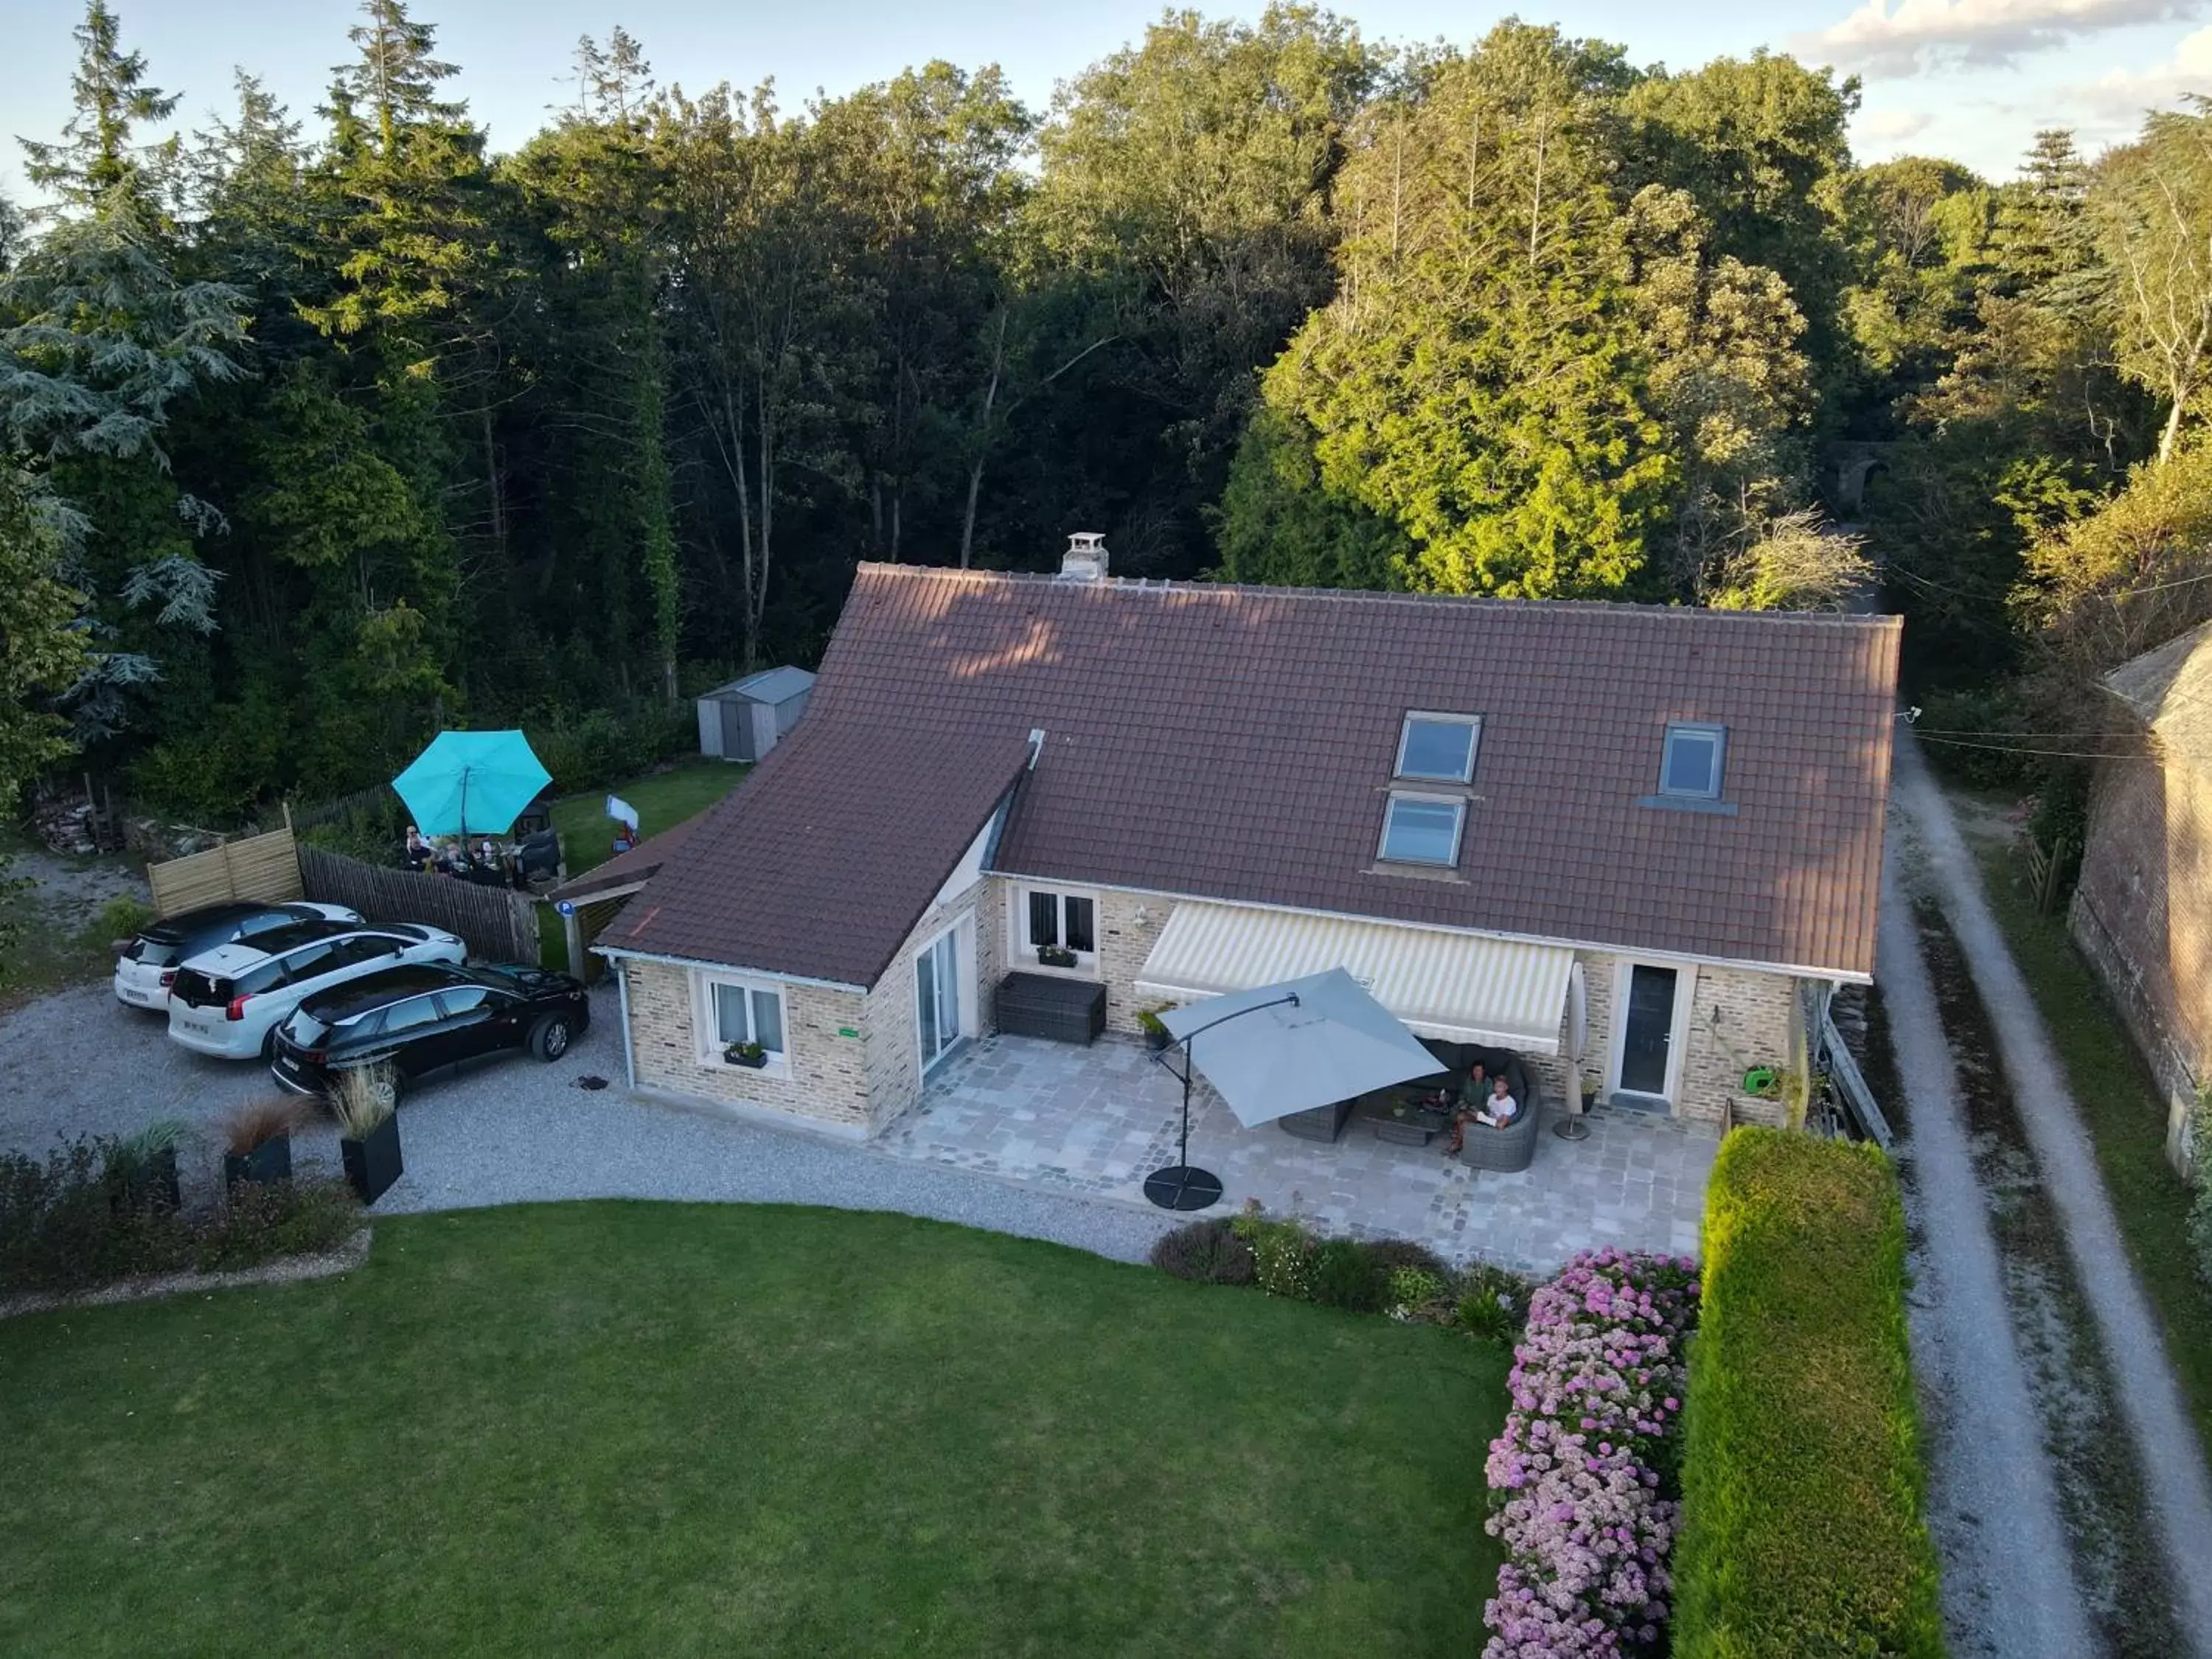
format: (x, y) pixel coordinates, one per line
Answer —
(109, 97)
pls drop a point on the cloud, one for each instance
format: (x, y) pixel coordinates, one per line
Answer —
(1895, 125)
(1928, 35)
(2124, 94)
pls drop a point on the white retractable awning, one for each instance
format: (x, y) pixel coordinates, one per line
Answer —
(1454, 986)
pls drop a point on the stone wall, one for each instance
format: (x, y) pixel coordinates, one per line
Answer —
(2141, 913)
(828, 1075)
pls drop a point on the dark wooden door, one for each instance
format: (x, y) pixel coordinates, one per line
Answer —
(1649, 1030)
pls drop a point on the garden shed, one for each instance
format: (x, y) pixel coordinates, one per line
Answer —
(743, 721)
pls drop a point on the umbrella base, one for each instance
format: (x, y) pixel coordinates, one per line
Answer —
(1181, 1186)
(1571, 1128)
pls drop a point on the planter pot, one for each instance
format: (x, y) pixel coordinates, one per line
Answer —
(371, 1165)
(1049, 956)
(753, 1064)
(1157, 1041)
(270, 1161)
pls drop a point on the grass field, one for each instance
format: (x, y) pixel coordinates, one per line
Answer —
(2125, 1116)
(660, 1430)
(663, 800)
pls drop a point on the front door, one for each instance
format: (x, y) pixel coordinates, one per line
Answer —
(936, 994)
(1648, 1034)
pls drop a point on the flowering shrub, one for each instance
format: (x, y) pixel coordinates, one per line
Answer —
(1412, 1290)
(1583, 1475)
(1283, 1253)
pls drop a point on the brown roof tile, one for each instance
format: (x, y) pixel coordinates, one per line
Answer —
(1237, 743)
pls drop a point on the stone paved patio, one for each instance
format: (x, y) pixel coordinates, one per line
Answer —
(1098, 1120)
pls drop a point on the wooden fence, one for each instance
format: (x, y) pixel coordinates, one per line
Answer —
(499, 923)
(259, 867)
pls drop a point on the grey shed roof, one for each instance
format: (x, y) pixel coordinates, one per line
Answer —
(770, 685)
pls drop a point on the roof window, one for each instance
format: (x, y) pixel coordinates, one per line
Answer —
(1439, 748)
(1422, 830)
(1690, 767)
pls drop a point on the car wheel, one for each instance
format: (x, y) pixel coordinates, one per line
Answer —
(549, 1038)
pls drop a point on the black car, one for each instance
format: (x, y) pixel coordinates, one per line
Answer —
(425, 1017)
(148, 964)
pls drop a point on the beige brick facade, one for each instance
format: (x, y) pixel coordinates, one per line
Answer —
(1737, 1019)
(2142, 914)
(826, 1078)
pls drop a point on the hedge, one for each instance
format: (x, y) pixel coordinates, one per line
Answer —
(1802, 1528)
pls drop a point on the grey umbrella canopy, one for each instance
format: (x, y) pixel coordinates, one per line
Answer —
(1334, 1042)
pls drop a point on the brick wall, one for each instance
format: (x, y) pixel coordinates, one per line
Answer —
(828, 1079)
(892, 1018)
(2142, 915)
(1738, 1020)
(1128, 926)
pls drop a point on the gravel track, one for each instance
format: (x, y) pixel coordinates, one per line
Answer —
(511, 1131)
(2008, 1585)
(2179, 1493)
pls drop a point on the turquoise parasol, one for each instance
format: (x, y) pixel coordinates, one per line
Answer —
(471, 783)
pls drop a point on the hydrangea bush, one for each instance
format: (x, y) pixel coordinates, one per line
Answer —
(1583, 1475)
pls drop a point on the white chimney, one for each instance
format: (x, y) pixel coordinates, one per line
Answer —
(1085, 558)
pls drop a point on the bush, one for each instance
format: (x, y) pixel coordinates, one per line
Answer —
(1345, 1276)
(1205, 1252)
(609, 744)
(1282, 1254)
(86, 1216)
(1390, 1253)
(121, 917)
(1581, 1473)
(1802, 1528)
(1413, 1291)
(1489, 1302)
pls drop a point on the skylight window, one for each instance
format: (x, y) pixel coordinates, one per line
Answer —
(1422, 830)
(1690, 767)
(1439, 748)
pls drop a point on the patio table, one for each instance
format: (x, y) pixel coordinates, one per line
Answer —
(1398, 1115)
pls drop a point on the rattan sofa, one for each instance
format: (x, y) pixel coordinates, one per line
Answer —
(1512, 1148)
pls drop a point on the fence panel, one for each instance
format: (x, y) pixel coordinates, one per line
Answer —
(498, 923)
(258, 867)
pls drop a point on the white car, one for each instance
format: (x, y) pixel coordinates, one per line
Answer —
(229, 1001)
(151, 961)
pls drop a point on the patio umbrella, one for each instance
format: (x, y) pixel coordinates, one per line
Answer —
(1291, 1047)
(471, 783)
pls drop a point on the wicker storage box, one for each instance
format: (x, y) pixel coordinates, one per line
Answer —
(1044, 1005)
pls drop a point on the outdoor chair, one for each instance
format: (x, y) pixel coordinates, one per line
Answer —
(1512, 1148)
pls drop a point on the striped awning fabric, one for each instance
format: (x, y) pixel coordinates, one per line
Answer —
(1457, 985)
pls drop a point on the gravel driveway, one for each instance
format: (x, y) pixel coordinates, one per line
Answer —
(510, 1131)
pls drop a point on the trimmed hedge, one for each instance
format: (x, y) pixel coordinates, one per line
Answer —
(1803, 1530)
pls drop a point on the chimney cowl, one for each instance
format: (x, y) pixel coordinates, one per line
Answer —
(1085, 558)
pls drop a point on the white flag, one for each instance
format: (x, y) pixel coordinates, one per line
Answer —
(622, 811)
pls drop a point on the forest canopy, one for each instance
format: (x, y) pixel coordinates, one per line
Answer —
(326, 427)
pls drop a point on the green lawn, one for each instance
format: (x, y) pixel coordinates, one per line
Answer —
(662, 1430)
(663, 800)
(2125, 1116)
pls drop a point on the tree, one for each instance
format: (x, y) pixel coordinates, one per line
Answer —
(43, 651)
(2152, 206)
(109, 97)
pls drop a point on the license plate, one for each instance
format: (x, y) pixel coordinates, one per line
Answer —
(291, 1065)
(134, 996)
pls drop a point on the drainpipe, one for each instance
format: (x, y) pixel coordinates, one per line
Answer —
(630, 1051)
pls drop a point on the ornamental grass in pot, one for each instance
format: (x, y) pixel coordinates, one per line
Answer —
(257, 1141)
(364, 1100)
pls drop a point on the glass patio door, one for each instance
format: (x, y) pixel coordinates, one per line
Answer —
(937, 996)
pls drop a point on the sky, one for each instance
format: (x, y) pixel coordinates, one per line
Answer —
(1969, 79)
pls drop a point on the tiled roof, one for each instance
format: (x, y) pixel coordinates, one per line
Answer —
(1237, 743)
(2170, 690)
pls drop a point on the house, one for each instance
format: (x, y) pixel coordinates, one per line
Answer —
(1638, 845)
(745, 719)
(2141, 911)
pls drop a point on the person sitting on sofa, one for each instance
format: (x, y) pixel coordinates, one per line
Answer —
(1502, 1108)
(1478, 1104)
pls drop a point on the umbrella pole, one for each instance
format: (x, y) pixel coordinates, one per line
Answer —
(1179, 1187)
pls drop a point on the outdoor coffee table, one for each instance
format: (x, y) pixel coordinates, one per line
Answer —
(1400, 1119)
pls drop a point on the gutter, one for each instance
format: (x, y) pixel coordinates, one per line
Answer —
(617, 955)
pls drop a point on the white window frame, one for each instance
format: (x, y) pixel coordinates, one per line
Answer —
(1472, 722)
(1023, 948)
(1678, 1037)
(963, 932)
(706, 1019)
(1706, 731)
(1457, 803)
